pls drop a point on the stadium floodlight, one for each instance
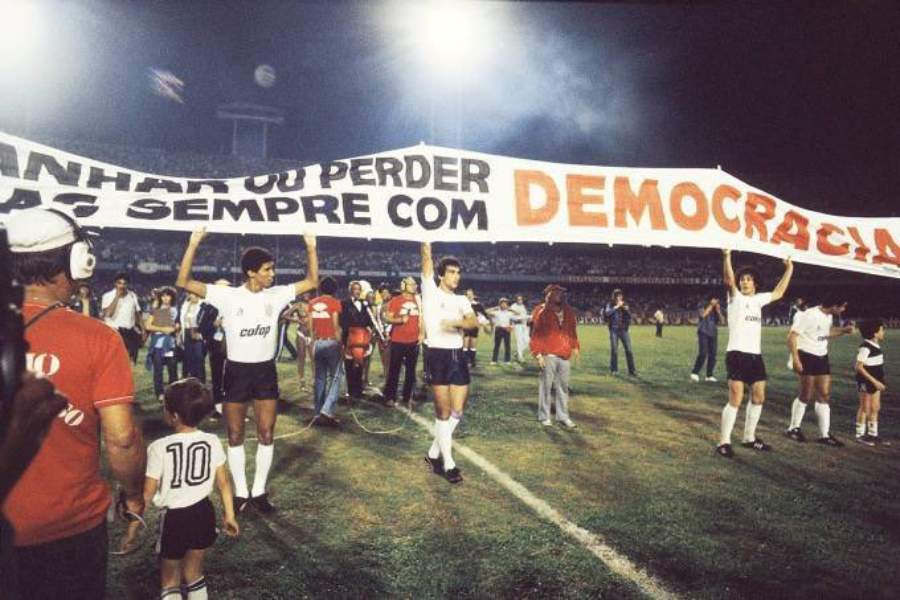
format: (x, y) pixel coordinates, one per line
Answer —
(20, 27)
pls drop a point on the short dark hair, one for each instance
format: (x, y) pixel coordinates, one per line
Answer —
(448, 261)
(254, 258)
(868, 327)
(123, 276)
(189, 399)
(753, 273)
(39, 268)
(831, 299)
(327, 285)
(617, 292)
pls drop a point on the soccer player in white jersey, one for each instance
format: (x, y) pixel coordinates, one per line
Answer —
(743, 357)
(250, 316)
(808, 343)
(181, 470)
(445, 315)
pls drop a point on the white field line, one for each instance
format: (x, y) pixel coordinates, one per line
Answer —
(592, 542)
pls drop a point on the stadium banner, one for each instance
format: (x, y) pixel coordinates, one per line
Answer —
(442, 194)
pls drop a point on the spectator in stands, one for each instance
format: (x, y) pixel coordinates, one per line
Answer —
(121, 310)
(162, 323)
(618, 319)
(84, 301)
(192, 339)
(554, 340)
(707, 338)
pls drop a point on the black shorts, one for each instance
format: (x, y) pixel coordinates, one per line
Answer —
(244, 382)
(472, 333)
(446, 367)
(814, 365)
(865, 386)
(190, 528)
(745, 367)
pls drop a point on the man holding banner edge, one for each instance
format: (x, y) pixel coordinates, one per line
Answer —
(250, 318)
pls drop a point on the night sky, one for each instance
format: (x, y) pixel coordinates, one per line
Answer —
(800, 99)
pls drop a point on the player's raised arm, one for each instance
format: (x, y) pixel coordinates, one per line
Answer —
(728, 271)
(781, 289)
(427, 262)
(312, 266)
(185, 281)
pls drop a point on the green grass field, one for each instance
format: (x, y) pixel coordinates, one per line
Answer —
(359, 516)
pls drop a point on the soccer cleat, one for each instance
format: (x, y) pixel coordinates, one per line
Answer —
(757, 445)
(795, 434)
(262, 504)
(724, 450)
(695, 377)
(436, 464)
(569, 424)
(865, 440)
(831, 441)
(453, 475)
(712, 379)
(240, 503)
(327, 420)
(547, 423)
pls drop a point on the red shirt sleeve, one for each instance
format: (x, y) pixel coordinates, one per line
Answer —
(113, 383)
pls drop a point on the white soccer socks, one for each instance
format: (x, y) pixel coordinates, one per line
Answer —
(873, 428)
(751, 420)
(264, 456)
(444, 437)
(197, 590)
(729, 416)
(236, 461)
(798, 409)
(823, 414)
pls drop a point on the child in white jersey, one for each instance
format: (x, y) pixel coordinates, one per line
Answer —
(181, 470)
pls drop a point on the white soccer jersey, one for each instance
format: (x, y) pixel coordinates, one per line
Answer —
(813, 327)
(250, 320)
(437, 306)
(126, 308)
(185, 465)
(745, 322)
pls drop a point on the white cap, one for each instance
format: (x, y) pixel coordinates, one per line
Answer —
(38, 230)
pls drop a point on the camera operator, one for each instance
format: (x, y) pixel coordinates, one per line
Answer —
(58, 507)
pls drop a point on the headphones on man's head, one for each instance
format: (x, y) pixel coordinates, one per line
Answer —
(81, 258)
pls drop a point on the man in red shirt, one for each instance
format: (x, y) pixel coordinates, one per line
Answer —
(325, 328)
(403, 313)
(58, 508)
(553, 342)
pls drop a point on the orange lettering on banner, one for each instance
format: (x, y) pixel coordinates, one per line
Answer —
(577, 198)
(825, 246)
(756, 219)
(786, 234)
(722, 193)
(525, 214)
(888, 250)
(862, 251)
(646, 199)
(700, 218)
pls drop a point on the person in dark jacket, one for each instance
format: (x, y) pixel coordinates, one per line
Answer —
(356, 327)
(618, 319)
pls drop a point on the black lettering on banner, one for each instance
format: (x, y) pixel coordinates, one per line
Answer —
(279, 205)
(356, 209)
(20, 200)
(154, 183)
(425, 171)
(260, 188)
(216, 186)
(444, 175)
(194, 209)
(84, 203)
(394, 210)
(477, 172)
(236, 209)
(421, 214)
(98, 177)
(63, 176)
(9, 161)
(299, 178)
(388, 167)
(361, 171)
(313, 206)
(460, 212)
(148, 209)
(332, 171)
(191, 467)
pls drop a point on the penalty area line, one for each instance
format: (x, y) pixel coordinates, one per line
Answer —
(593, 543)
